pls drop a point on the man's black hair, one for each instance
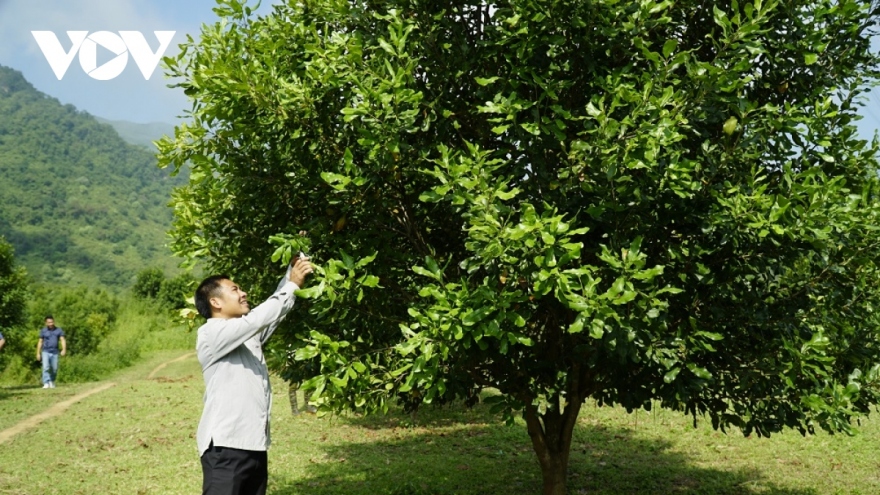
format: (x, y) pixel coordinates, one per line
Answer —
(48, 317)
(210, 287)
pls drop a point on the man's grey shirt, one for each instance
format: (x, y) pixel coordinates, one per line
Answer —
(237, 393)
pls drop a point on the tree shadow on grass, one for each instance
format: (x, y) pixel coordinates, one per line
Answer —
(477, 457)
(7, 392)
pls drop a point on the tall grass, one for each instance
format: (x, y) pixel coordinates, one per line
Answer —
(142, 327)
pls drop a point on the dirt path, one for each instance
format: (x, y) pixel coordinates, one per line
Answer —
(57, 409)
(53, 411)
(158, 368)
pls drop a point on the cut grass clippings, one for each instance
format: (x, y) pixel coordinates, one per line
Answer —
(138, 438)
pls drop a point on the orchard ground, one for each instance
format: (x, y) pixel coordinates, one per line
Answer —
(137, 438)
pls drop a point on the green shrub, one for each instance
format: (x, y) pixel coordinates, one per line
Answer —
(175, 291)
(141, 327)
(171, 293)
(149, 282)
(19, 371)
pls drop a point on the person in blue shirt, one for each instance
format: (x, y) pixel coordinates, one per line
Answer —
(48, 350)
(2, 341)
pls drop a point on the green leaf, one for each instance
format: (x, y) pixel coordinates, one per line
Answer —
(810, 58)
(475, 316)
(347, 159)
(625, 297)
(347, 260)
(729, 126)
(720, 18)
(506, 195)
(531, 128)
(669, 47)
(660, 6)
(366, 260)
(278, 252)
(597, 329)
(710, 335)
(338, 181)
(578, 325)
(700, 372)
(426, 273)
(387, 46)
(311, 292)
(670, 376)
(649, 274)
(304, 353)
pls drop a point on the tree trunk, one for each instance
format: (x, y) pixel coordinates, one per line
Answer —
(291, 394)
(292, 389)
(551, 438)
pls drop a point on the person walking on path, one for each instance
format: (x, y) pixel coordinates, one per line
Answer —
(2, 341)
(48, 350)
(233, 434)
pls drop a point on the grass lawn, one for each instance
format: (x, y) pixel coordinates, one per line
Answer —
(138, 438)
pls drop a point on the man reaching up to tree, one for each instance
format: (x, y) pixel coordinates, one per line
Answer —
(233, 434)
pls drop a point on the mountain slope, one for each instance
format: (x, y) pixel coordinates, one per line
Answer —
(77, 202)
(140, 134)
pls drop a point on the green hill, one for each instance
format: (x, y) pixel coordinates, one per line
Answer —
(77, 202)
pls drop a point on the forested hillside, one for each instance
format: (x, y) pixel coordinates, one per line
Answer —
(77, 202)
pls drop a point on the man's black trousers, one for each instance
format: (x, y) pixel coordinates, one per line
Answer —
(229, 471)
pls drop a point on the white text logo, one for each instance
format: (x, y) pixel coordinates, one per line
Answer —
(86, 44)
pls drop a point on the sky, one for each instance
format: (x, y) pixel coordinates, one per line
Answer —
(129, 96)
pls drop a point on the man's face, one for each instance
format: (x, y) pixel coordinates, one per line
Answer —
(231, 302)
(50, 323)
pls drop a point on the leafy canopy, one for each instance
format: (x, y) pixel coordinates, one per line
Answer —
(13, 289)
(634, 201)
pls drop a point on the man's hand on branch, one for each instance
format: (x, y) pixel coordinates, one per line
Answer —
(300, 269)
